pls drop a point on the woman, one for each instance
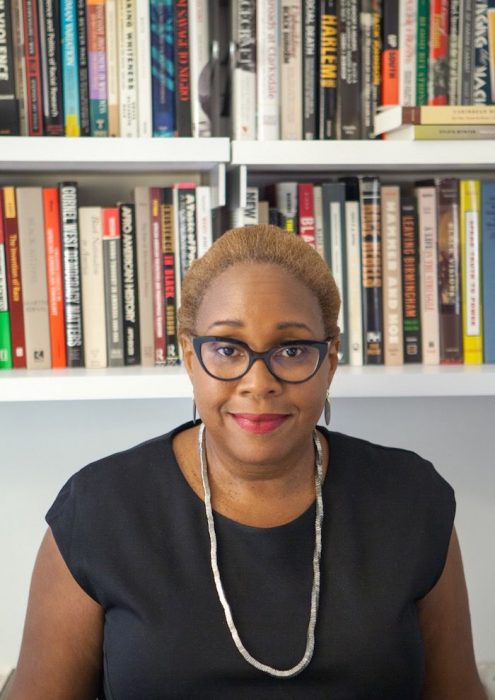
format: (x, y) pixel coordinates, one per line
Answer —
(250, 555)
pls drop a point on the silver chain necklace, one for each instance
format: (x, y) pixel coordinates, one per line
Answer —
(315, 592)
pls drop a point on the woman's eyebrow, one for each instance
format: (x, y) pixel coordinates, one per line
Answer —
(236, 323)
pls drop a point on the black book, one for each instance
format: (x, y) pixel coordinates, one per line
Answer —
(371, 257)
(410, 276)
(51, 68)
(349, 87)
(311, 66)
(9, 107)
(130, 291)
(182, 69)
(82, 46)
(186, 202)
(328, 70)
(218, 107)
(170, 282)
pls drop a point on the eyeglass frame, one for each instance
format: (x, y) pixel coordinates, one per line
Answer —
(322, 345)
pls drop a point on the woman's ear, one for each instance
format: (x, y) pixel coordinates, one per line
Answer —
(187, 353)
(333, 357)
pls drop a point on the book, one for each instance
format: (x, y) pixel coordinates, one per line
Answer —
(199, 42)
(34, 103)
(219, 105)
(19, 66)
(14, 279)
(438, 68)
(488, 276)
(5, 338)
(291, 80)
(408, 35)
(186, 214)
(128, 89)
(112, 266)
(444, 115)
(286, 203)
(393, 340)
(203, 219)
(472, 312)
(169, 238)
(327, 98)
(244, 70)
(71, 265)
(83, 68)
(144, 274)
(33, 272)
(354, 289)
(349, 84)
(267, 70)
(9, 107)
(97, 67)
(370, 66)
(311, 62)
(466, 52)
(54, 276)
(250, 211)
(491, 46)
(410, 276)
(371, 270)
(182, 69)
(481, 60)
(130, 284)
(454, 51)
(157, 277)
(112, 56)
(143, 72)
(423, 51)
(319, 233)
(428, 132)
(70, 67)
(93, 287)
(306, 213)
(390, 55)
(51, 68)
(428, 276)
(162, 67)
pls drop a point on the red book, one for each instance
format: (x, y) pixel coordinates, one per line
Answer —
(54, 276)
(33, 67)
(306, 218)
(14, 283)
(438, 70)
(390, 55)
(157, 269)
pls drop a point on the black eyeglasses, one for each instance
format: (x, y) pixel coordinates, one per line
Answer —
(229, 359)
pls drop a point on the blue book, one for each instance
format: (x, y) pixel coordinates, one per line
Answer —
(70, 67)
(162, 67)
(488, 258)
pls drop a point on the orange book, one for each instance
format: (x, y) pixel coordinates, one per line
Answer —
(53, 247)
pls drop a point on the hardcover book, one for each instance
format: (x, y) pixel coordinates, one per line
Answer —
(311, 63)
(267, 69)
(408, 18)
(472, 311)
(410, 277)
(390, 55)
(448, 115)
(144, 273)
(97, 65)
(130, 286)
(244, 70)
(428, 260)
(182, 68)
(33, 67)
(328, 73)
(83, 68)
(169, 278)
(5, 339)
(113, 75)
(291, 80)
(349, 85)
(392, 276)
(112, 266)
(9, 108)
(128, 96)
(54, 276)
(354, 288)
(157, 277)
(162, 67)
(488, 255)
(438, 68)
(71, 62)
(51, 68)
(371, 256)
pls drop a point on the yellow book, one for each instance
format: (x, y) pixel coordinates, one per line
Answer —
(472, 309)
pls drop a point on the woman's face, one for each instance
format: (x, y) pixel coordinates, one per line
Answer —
(261, 305)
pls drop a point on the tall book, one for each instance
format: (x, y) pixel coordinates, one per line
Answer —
(291, 80)
(143, 48)
(169, 238)
(157, 277)
(9, 108)
(112, 266)
(319, 233)
(203, 219)
(410, 276)
(200, 69)
(449, 271)
(311, 63)
(481, 64)
(54, 276)
(392, 276)
(354, 290)
(219, 107)
(244, 70)
(144, 273)
(130, 285)
(491, 46)
(14, 279)
(438, 68)
(328, 73)
(370, 66)
(70, 67)
(454, 51)
(51, 67)
(5, 339)
(488, 248)
(83, 67)
(71, 265)
(33, 67)
(466, 52)
(128, 101)
(349, 85)
(306, 213)
(33, 271)
(93, 287)
(408, 19)
(267, 70)
(472, 312)
(182, 68)
(428, 260)
(186, 213)
(97, 64)
(371, 256)
(390, 55)
(19, 65)
(423, 51)
(162, 67)
(113, 75)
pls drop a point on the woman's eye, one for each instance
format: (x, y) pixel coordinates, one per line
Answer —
(228, 351)
(293, 351)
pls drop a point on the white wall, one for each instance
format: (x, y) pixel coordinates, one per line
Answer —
(41, 444)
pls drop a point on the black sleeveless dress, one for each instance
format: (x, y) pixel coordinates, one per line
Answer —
(134, 536)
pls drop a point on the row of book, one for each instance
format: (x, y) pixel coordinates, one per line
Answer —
(109, 68)
(414, 262)
(92, 286)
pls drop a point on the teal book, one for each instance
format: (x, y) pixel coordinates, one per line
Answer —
(422, 49)
(70, 67)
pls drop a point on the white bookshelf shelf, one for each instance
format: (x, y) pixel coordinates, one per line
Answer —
(173, 383)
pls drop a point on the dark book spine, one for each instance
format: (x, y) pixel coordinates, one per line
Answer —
(187, 228)
(410, 277)
(82, 45)
(327, 122)
(130, 291)
(311, 35)
(72, 274)
(33, 68)
(449, 271)
(390, 54)
(466, 49)
(51, 64)
(182, 69)
(454, 49)
(169, 276)
(112, 265)
(162, 67)
(14, 279)
(422, 51)
(219, 104)
(481, 67)
(9, 108)
(371, 256)
(349, 88)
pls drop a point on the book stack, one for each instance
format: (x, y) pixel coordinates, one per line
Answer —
(396, 123)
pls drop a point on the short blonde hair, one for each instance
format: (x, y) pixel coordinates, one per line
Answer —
(260, 244)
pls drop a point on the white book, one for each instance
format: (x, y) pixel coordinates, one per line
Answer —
(392, 276)
(199, 57)
(337, 258)
(291, 90)
(251, 209)
(428, 257)
(244, 70)
(267, 70)
(128, 103)
(143, 51)
(319, 230)
(354, 291)
(145, 275)
(408, 15)
(204, 230)
(93, 287)
(113, 77)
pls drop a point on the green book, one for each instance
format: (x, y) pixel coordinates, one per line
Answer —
(5, 344)
(422, 49)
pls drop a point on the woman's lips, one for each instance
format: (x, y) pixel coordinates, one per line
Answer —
(259, 422)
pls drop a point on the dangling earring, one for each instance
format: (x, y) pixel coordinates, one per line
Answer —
(194, 412)
(327, 409)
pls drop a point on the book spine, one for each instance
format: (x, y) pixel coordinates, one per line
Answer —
(145, 275)
(97, 64)
(428, 246)
(422, 52)
(112, 266)
(53, 247)
(349, 89)
(286, 203)
(162, 67)
(488, 247)
(376, 64)
(182, 69)
(354, 290)
(83, 67)
(68, 198)
(472, 312)
(408, 19)
(306, 213)
(410, 278)
(244, 70)
(250, 211)
(112, 54)
(438, 73)
(267, 70)
(33, 270)
(5, 338)
(328, 70)
(291, 79)
(158, 292)
(366, 68)
(33, 68)
(128, 68)
(319, 232)
(169, 279)
(51, 82)
(219, 22)
(466, 53)
(454, 51)
(14, 279)
(70, 68)
(491, 47)
(93, 287)
(187, 226)
(392, 276)
(203, 219)
(428, 132)
(19, 65)
(481, 67)
(311, 62)
(143, 49)
(9, 108)
(371, 256)
(130, 295)
(449, 271)
(390, 55)
(199, 44)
